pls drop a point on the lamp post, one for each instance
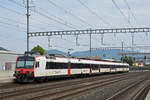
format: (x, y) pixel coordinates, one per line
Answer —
(69, 50)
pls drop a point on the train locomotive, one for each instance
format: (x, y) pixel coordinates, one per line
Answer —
(31, 67)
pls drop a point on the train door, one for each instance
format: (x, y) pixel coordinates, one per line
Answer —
(40, 67)
(90, 69)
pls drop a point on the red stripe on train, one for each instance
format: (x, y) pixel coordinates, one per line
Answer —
(100, 69)
(69, 69)
(90, 70)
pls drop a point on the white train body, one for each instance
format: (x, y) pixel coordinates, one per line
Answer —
(35, 67)
(80, 66)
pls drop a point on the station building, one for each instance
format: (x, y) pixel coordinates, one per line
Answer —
(8, 59)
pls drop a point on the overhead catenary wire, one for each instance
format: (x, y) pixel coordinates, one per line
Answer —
(13, 28)
(37, 12)
(126, 19)
(129, 8)
(59, 19)
(51, 46)
(133, 15)
(76, 17)
(62, 38)
(41, 13)
(50, 18)
(44, 15)
(12, 38)
(13, 25)
(19, 13)
(20, 23)
(10, 0)
(35, 19)
(94, 13)
(66, 11)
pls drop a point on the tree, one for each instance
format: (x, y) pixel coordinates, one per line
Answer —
(128, 60)
(104, 55)
(39, 49)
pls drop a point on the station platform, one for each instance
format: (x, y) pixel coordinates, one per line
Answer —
(6, 76)
(148, 96)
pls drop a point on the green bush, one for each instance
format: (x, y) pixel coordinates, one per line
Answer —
(39, 49)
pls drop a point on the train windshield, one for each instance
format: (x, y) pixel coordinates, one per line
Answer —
(25, 62)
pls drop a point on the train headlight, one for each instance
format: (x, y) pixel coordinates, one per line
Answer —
(16, 72)
(31, 73)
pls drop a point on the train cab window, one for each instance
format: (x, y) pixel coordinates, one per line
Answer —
(37, 65)
(25, 62)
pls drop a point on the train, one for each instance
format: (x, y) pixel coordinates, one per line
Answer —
(32, 67)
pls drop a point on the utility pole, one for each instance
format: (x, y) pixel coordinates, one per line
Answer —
(102, 39)
(90, 46)
(122, 49)
(49, 42)
(77, 44)
(132, 41)
(27, 24)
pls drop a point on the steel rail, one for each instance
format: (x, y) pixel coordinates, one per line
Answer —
(139, 91)
(80, 89)
(46, 88)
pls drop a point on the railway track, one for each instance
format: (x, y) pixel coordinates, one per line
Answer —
(136, 91)
(62, 90)
(55, 81)
(12, 86)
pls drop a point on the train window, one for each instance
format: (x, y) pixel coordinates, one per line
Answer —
(37, 65)
(101, 66)
(61, 65)
(111, 66)
(86, 66)
(56, 65)
(79, 66)
(104, 66)
(49, 65)
(73, 65)
(95, 67)
(25, 62)
(117, 66)
(107, 66)
(20, 64)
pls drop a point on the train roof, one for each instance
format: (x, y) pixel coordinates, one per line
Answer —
(62, 58)
(82, 60)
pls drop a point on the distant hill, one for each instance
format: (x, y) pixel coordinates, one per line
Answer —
(56, 52)
(3, 49)
(103, 54)
(109, 54)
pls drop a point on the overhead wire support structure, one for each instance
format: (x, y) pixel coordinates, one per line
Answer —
(28, 25)
(91, 31)
(122, 47)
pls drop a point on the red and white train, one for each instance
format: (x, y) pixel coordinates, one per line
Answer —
(36, 67)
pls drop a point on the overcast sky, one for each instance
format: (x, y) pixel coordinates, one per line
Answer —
(53, 15)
